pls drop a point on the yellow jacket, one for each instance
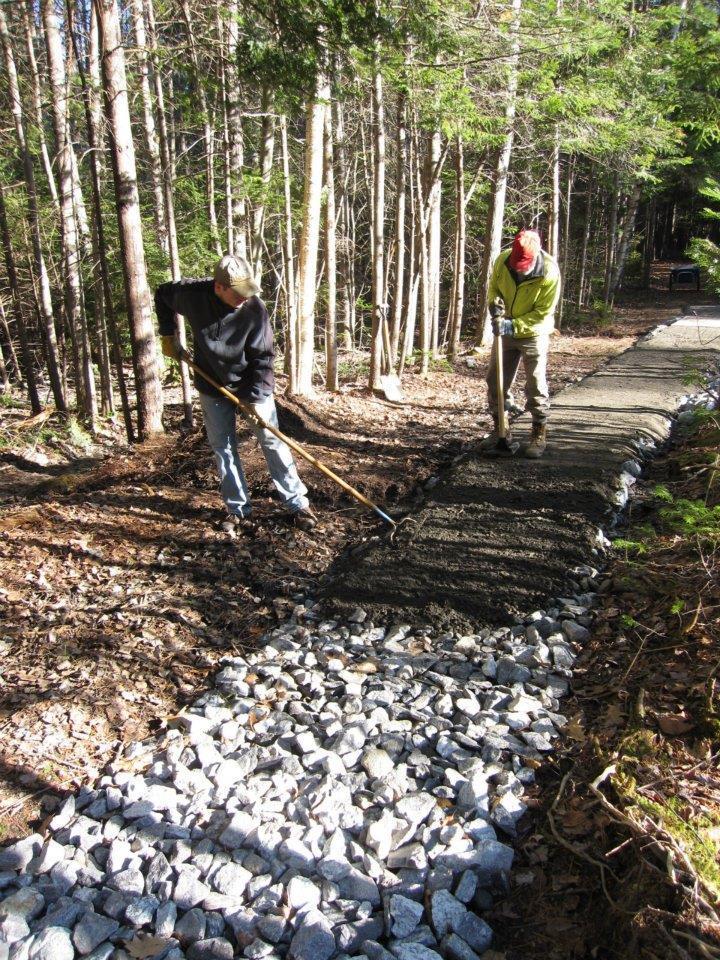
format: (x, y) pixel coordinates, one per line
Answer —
(531, 302)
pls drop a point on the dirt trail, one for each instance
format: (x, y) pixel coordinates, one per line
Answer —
(496, 537)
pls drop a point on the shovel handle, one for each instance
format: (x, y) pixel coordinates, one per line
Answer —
(500, 387)
(301, 451)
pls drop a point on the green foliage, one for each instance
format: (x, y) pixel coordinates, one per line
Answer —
(696, 834)
(692, 518)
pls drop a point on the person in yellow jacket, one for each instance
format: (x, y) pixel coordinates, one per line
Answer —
(523, 293)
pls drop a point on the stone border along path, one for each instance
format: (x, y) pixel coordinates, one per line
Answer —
(344, 786)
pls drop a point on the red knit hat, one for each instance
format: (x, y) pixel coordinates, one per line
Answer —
(526, 246)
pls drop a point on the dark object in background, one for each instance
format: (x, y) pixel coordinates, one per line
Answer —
(685, 278)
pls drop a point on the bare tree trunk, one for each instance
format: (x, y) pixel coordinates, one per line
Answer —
(413, 277)
(29, 23)
(554, 212)
(84, 377)
(42, 280)
(459, 284)
(649, 242)
(267, 150)
(347, 325)
(237, 233)
(307, 256)
(209, 132)
(93, 125)
(137, 292)
(422, 254)
(331, 346)
(612, 239)
(291, 345)
(151, 136)
(400, 204)
(496, 209)
(433, 241)
(625, 240)
(379, 318)
(565, 266)
(169, 208)
(93, 119)
(586, 238)
(33, 395)
(10, 369)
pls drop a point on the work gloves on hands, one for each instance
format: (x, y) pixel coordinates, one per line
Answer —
(171, 346)
(501, 325)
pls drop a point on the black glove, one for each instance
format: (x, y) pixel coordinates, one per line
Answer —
(497, 308)
(502, 327)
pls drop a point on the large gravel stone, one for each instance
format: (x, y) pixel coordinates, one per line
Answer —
(216, 948)
(92, 930)
(314, 939)
(404, 915)
(53, 943)
(26, 903)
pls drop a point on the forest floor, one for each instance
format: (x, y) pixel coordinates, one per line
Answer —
(120, 596)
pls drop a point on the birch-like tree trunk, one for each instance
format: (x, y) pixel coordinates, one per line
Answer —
(37, 101)
(458, 302)
(401, 159)
(331, 344)
(151, 135)
(93, 125)
(208, 127)
(379, 309)
(496, 208)
(69, 234)
(265, 163)
(612, 238)
(10, 369)
(291, 340)
(649, 242)
(127, 201)
(565, 264)
(41, 278)
(625, 240)
(309, 238)
(553, 241)
(237, 225)
(434, 240)
(169, 206)
(582, 273)
(25, 351)
(92, 87)
(347, 325)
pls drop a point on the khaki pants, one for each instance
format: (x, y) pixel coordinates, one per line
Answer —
(533, 352)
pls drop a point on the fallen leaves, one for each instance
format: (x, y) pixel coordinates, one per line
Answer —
(675, 725)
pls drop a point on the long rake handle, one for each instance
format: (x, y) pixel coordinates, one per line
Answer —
(301, 451)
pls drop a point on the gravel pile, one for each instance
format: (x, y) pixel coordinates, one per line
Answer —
(348, 789)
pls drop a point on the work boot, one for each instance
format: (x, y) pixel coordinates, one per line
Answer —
(234, 524)
(305, 519)
(538, 441)
(493, 438)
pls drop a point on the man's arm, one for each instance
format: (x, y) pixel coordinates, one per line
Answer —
(527, 323)
(166, 308)
(493, 289)
(260, 354)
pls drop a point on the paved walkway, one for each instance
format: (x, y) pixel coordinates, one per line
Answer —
(496, 538)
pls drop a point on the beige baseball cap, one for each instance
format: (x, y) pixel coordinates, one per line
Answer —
(235, 272)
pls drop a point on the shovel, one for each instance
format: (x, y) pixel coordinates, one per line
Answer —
(505, 446)
(250, 414)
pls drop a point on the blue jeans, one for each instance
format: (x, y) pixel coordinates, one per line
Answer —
(219, 416)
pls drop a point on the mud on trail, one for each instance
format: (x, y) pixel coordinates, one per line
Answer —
(494, 539)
